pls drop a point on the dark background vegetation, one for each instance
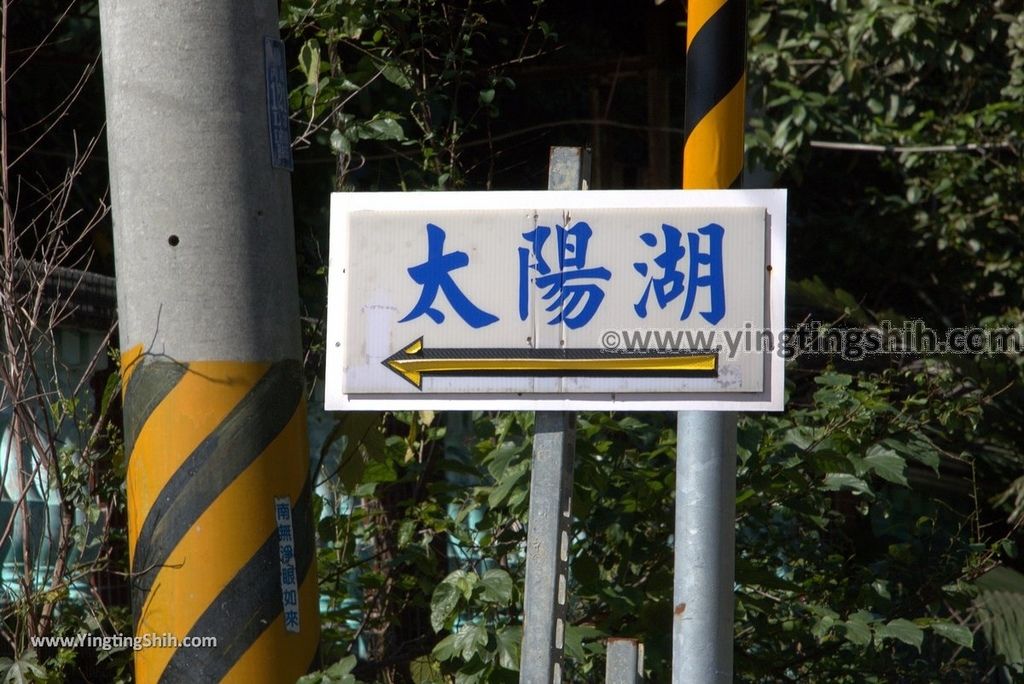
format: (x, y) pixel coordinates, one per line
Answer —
(878, 517)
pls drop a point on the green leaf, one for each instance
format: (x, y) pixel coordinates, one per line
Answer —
(342, 667)
(470, 639)
(1001, 613)
(887, 464)
(442, 604)
(857, 629)
(903, 630)
(903, 23)
(463, 581)
(340, 143)
(827, 619)
(363, 442)
(828, 461)
(309, 61)
(831, 379)
(511, 477)
(425, 670)
(406, 530)
(445, 648)
(575, 635)
(497, 586)
(500, 458)
(383, 129)
(801, 436)
(917, 449)
(380, 471)
(109, 390)
(509, 640)
(487, 96)
(472, 674)
(744, 494)
(397, 74)
(836, 481)
(960, 635)
(25, 670)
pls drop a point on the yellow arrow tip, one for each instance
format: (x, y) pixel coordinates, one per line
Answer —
(395, 363)
(415, 377)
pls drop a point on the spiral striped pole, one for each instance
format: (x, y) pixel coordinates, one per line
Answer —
(705, 537)
(713, 126)
(220, 521)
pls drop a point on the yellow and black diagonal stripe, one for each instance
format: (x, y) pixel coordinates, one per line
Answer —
(716, 33)
(211, 444)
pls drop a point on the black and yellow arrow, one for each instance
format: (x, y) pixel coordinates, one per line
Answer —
(414, 361)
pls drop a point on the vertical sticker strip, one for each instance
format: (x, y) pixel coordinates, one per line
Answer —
(289, 576)
(277, 104)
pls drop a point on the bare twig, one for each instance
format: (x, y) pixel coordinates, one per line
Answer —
(917, 149)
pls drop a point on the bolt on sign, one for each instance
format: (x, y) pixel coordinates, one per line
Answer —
(599, 300)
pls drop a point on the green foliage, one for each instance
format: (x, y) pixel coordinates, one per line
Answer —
(24, 670)
(910, 76)
(835, 570)
(870, 514)
(418, 76)
(836, 518)
(338, 673)
(876, 523)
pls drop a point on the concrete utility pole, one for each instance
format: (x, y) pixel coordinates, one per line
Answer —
(705, 532)
(220, 523)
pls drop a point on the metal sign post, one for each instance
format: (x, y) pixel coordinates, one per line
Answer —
(548, 529)
(625, 662)
(703, 597)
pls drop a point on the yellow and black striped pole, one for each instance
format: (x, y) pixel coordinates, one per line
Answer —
(219, 495)
(706, 448)
(212, 445)
(715, 91)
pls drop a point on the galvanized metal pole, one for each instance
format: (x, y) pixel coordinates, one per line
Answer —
(220, 516)
(705, 541)
(548, 530)
(625, 662)
(706, 454)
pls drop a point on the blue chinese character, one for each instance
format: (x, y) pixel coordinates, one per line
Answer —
(575, 302)
(670, 283)
(287, 553)
(291, 619)
(284, 532)
(435, 274)
(714, 279)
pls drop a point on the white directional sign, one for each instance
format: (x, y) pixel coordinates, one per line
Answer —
(638, 300)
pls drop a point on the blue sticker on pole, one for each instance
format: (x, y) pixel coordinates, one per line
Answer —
(277, 104)
(286, 555)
